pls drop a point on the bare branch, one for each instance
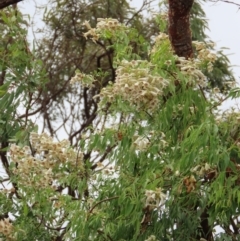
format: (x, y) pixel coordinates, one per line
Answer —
(225, 1)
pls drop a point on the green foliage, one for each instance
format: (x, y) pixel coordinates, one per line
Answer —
(152, 158)
(20, 73)
(220, 73)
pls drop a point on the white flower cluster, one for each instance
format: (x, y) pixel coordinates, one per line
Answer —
(41, 168)
(6, 228)
(190, 68)
(104, 24)
(154, 198)
(85, 79)
(201, 170)
(8, 191)
(204, 54)
(159, 41)
(151, 238)
(141, 143)
(136, 84)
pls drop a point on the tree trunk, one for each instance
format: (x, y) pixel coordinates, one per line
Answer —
(179, 27)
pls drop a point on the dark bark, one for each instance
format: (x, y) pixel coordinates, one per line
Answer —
(6, 3)
(179, 27)
(206, 228)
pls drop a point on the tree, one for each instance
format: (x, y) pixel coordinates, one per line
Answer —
(148, 155)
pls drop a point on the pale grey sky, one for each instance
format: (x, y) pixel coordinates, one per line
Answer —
(224, 30)
(224, 25)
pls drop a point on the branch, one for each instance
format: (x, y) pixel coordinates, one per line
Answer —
(108, 150)
(206, 228)
(6, 3)
(145, 3)
(225, 1)
(234, 226)
(101, 232)
(104, 200)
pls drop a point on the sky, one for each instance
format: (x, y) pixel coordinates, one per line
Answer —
(224, 25)
(224, 29)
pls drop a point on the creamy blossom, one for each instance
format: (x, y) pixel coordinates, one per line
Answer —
(136, 84)
(104, 24)
(154, 198)
(41, 165)
(6, 228)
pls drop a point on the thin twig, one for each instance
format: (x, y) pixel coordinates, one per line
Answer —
(104, 200)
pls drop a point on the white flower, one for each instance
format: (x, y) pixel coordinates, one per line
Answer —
(151, 238)
(154, 198)
(135, 84)
(141, 143)
(177, 173)
(207, 167)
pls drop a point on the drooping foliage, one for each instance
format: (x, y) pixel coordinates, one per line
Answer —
(148, 156)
